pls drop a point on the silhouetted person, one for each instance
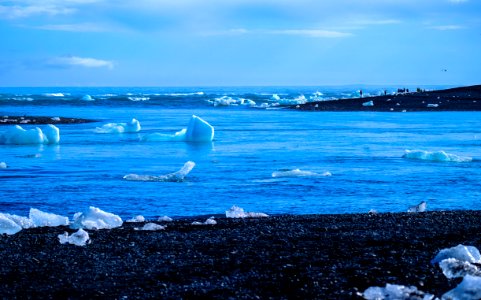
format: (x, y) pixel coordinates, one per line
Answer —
(360, 93)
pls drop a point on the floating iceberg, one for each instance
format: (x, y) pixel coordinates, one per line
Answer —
(95, 218)
(298, 173)
(172, 177)
(460, 252)
(421, 207)
(136, 219)
(395, 292)
(79, 238)
(453, 268)
(238, 212)
(197, 131)
(42, 219)
(87, 98)
(3, 165)
(229, 101)
(209, 221)
(8, 226)
(151, 227)
(468, 289)
(132, 126)
(16, 135)
(368, 103)
(440, 156)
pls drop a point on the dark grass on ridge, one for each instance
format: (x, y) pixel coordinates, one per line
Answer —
(39, 120)
(280, 257)
(455, 99)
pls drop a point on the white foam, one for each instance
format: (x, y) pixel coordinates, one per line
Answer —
(468, 289)
(132, 126)
(421, 207)
(394, 291)
(209, 221)
(301, 99)
(54, 95)
(138, 99)
(79, 238)
(454, 268)
(95, 218)
(87, 98)
(229, 101)
(276, 97)
(368, 103)
(42, 219)
(172, 177)
(16, 135)
(298, 173)
(151, 227)
(439, 156)
(198, 130)
(136, 219)
(3, 165)
(7, 226)
(238, 212)
(460, 252)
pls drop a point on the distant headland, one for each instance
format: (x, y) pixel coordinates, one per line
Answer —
(454, 99)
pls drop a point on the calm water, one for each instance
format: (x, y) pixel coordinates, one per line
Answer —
(363, 151)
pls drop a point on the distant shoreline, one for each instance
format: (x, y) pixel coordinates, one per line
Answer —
(39, 120)
(453, 99)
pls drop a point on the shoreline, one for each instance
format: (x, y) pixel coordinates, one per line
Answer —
(41, 120)
(279, 257)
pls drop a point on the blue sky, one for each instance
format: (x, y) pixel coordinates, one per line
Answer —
(239, 43)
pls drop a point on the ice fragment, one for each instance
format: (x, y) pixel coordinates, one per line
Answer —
(95, 218)
(460, 252)
(151, 227)
(172, 177)
(468, 289)
(79, 238)
(42, 219)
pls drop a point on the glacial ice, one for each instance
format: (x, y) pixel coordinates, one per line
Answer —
(132, 126)
(460, 252)
(468, 289)
(238, 212)
(368, 103)
(164, 219)
(95, 218)
(136, 219)
(42, 219)
(151, 227)
(87, 98)
(439, 156)
(8, 226)
(23, 222)
(79, 238)
(395, 292)
(198, 130)
(229, 101)
(209, 221)
(172, 177)
(3, 165)
(16, 135)
(298, 173)
(453, 268)
(421, 207)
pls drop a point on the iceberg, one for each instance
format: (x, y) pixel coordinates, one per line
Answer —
(439, 156)
(79, 238)
(421, 207)
(460, 252)
(394, 291)
(42, 219)
(298, 173)
(453, 268)
(238, 212)
(3, 165)
(87, 98)
(209, 221)
(95, 218)
(198, 130)
(172, 177)
(132, 126)
(136, 219)
(164, 219)
(21, 221)
(368, 103)
(16, 135)
(229, 101)
(151, 227)
(7, 226)
(468, 289)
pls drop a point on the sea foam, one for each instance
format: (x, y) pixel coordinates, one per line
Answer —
(298, 173)
(439, 156)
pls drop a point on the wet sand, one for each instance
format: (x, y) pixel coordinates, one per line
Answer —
(294, 256)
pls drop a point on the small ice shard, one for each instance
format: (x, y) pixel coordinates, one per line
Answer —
(43, 219)
(368, 103)
(453, 268)
(164, 219)
(439, 156)
(3, 165)
(198, 130)
(16, 135)
(372, 212)
(433, 105)
(132, 126)
(136, 219)
(151, 227)
(468, 289)
(8, 226)
(21, 221)
(421, 207)
(395, 292)
(238, 212)
(56, 119)
(79, 238)
(87, 98)
(209, 221)
(172, 177)
(460, 252)
(95, 218)
(298, 173)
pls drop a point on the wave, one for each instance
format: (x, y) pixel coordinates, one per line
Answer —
(439, 156)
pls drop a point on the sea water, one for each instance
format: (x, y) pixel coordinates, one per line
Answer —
(255, 136)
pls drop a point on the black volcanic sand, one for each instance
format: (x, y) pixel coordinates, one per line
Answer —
(300, 257)
(26, 120)
(456, 99)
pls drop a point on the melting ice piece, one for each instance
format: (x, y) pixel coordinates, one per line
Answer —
(42, 219)
(79, 238)
(238, 212)
(440, 156)
(21, 221)
(298, 173)
(468, 289)
(394, 291)
(164, 219)
(172, 177)
(460, 252)
(197, 131)
(8, 226)
(51, 134)
(3, 165)
(16, 135)
(421, 207)
(87, 98)
(151, 227)
(453, 268)
(95, 218)
(136, 219)
(209, 221)
(132, 126)
(368, 103)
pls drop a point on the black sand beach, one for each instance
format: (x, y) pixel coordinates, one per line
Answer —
(455, 99)
(25, 120)
(281, 257)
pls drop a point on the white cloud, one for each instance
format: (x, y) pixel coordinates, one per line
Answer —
(86, 62)
(458, 1)
(81, 27)
(316, 33)
(447, 27)
(16, 12)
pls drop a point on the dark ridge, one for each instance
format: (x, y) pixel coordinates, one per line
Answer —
(36, 120)
(454, 99)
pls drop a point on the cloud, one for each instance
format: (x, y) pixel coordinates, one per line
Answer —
(16, 12)
(75, 61)
(458, 1)
(80, 27)
(447, 27)
(315, 33)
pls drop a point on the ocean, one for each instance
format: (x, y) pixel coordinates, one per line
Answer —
(252, 162)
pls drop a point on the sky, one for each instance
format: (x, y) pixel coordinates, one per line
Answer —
(239, 42)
